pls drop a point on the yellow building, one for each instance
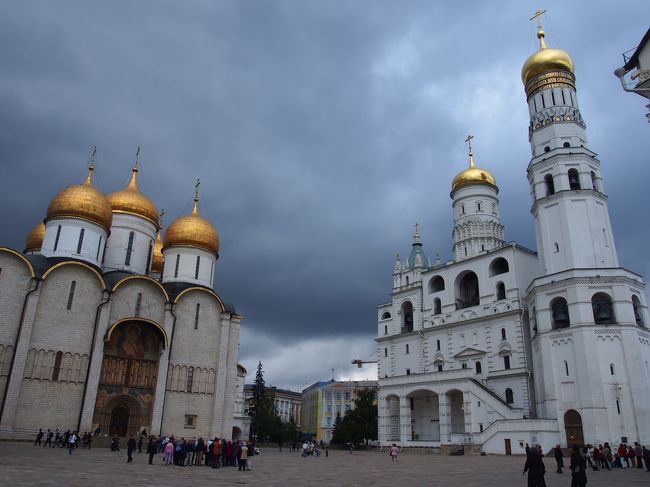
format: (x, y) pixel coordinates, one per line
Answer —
(323, 401)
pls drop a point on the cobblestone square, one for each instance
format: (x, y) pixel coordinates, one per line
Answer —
(22, 464)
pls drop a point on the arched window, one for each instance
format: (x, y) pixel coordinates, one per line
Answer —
(499, 266)
(407, 280)
(56, 368)
(638, 311)
(73, 285)
(574, 179)
(509, 396)
(550, 186)
(501, 291)
(436, 284)
(385, 315)
(437, 306)
(547, 148)
(503, 334)
(407, 317)
(594, 181)
(138, 303)
(566, 144)
(477, 368)
(566, 368)
(612, 370)
(81, 241)
(149, 253)
(603, 309)
(190, 379)
(467, 291)
(559, 314)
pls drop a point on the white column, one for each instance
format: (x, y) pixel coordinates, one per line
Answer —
(220, 379)
(161, 380)
(445, 418)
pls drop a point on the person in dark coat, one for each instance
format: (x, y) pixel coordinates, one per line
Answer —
(535, 468)
(558, 458)
(130, 449)
(140, 444)
(152, 448)
(578, 468)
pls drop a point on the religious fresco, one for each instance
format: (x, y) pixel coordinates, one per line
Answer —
(134, 340)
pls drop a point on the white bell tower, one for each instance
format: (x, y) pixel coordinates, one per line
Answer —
(588, 317)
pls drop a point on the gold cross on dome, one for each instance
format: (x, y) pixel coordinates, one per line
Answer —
(469, 143)
(538, 16)
(196, 188)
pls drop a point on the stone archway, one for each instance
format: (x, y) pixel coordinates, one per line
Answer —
(128, 376)
(236, 433)
(425, 416)
(122, 416)
(573, 428)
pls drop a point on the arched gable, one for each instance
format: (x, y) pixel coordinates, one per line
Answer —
(21, 257)
(143, 278)
(201, 289)
(80, 264)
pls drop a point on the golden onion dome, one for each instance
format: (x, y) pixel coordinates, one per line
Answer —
(130, 200)
(192, 231)
(473, 174)
(82, 201)
(545, 60)
(35, 238)
(157, 258)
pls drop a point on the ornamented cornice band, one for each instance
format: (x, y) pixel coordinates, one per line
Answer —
(555, 115)
(554, 79)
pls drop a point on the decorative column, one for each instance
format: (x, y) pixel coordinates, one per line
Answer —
(444, 412)
(405, 420)
(15, 382)
(467, 409)
(161, 379)
(221, 374)
(95, 368)
(384, 420)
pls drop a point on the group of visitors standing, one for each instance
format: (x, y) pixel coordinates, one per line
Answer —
(215, 453)
(589, 456)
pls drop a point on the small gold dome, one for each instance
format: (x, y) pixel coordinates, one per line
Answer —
(157, 258)
(473, 174)
(130, 200)
(192, 231)
(35, 238)
(82, 201)
(545, 60)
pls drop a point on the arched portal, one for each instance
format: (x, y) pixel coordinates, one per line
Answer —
(236, 433)
(392, 407)
(573, 428)
(457, 411)
(128, 377)
(425, 417)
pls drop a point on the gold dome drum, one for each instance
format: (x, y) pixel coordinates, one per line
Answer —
(192, 231)
(35, 237)
(157, 258)
(131, 201)
(82, 201)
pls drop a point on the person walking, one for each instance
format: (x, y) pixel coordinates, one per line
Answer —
(393, 453)
(606, 456)
(72, 441)
(48, 438)
(251, 453)
(558, 458)
(140, 439)
(639, 454)
(578, 468)
(199, 449)
(152, 448)
(243, 456)
(169, 452)
(646, 458)
(216, 453)
(535, 468)
(130, 448)
(39, 437)
(57, 439)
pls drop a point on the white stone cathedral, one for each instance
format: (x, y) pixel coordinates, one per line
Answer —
(106, 326)
(505, 346)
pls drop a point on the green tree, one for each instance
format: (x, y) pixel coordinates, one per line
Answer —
(261, 409)
(360, 424)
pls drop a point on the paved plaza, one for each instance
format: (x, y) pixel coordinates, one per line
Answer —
(23, 464)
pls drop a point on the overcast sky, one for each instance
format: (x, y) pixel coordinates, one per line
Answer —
(322, 131)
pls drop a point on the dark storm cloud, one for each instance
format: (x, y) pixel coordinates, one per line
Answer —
(321, 131)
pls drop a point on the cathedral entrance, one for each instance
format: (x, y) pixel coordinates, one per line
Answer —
(425, 418)
(119, 421)
(573, 428)
(128, 377)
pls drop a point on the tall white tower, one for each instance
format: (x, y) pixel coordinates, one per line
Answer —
(588, 317)
(477, 222)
